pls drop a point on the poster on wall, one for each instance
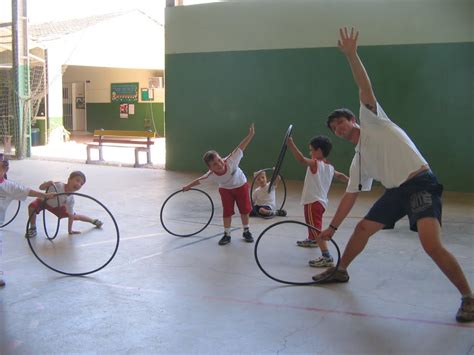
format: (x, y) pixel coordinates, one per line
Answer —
(123, 110)
(124, 92)
(80, 103)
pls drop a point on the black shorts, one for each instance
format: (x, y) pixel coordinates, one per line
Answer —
(418, 198)
(256, 209)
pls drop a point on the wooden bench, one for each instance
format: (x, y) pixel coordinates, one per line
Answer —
(141, 140)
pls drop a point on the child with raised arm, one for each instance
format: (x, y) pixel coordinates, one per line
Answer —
(10, 191)
(264, 202)
(65, 208)
(314, 198)
(233, 186)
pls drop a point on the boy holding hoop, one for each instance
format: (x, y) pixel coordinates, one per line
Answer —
(233, 186)
(62, 206)
(10, 191)
(314, 198)
(383, 151)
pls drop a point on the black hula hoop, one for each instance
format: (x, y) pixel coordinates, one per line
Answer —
(44, 216)
(284, 189)
(290, 282)
(186, 235)
(79, 273)
(279, 162)
(14, 216)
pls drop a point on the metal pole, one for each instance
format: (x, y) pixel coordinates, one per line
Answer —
(21, 79)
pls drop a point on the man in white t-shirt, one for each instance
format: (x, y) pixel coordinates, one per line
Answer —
(385, 152)
(233, 186)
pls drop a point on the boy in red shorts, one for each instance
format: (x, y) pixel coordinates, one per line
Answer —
(233, 186)
(66, 203)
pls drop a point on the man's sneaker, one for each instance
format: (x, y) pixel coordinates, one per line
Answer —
(322, 261)
(329, 276)
(281, 213)
(98, 223)
(224, 240)
(31, 232)
(248, 237)
(307, 243)
(466, 311)
(2, 282)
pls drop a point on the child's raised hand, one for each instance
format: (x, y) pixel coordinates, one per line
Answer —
(289, 141)
(252, 129)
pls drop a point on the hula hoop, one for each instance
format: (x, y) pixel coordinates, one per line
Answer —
(284, 190)
(291, 282)
(14, 216)
(185, 235)
(78, 273)
(43, 205)
(281, 156)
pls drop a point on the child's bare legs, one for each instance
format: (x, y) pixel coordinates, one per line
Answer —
(31, 232)
(32, 216)
(245, 223)
(245, 219)
(83, 218)
(265, 211)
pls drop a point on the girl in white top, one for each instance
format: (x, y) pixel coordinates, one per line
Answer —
(10, 191)
(319, 175)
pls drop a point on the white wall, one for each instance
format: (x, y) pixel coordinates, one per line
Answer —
(277, 24)
(98, 88)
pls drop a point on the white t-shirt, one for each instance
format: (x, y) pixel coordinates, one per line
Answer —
(261, 196)
(234, 176)
(10, 191)
(64, 200)
(316, 185)
(387, 154)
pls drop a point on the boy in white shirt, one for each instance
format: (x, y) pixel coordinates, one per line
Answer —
(314, 198)
(385, 152)
(10, 191)
(65, 209)
(264, 201)
(233, 186)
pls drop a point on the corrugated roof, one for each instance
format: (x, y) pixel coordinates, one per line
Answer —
(57, 29)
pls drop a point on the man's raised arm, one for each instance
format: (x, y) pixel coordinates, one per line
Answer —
(348, 45)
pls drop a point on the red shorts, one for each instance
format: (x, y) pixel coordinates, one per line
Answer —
(313, 215)
(240, 195)
(59, 212)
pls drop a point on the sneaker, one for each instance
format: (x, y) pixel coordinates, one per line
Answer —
(322, 261)
(224, 240)
(329, 276)
(466, 311)
(248, 237)
(2, 282)
(281, 213)
(307, 243)
(98, 223)
(31, 232)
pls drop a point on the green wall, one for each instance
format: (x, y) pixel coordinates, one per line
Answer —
(106, 116)
(212, 97)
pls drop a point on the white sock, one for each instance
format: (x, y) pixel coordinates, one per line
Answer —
(227, 231)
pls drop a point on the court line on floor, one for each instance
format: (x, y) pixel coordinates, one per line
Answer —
(295, 307)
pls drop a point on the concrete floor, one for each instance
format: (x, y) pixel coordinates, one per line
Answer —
(163, 294)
